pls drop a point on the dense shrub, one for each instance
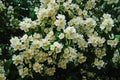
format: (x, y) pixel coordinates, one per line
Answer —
(59, 39)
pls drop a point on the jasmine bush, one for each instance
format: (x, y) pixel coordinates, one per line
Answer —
(60, 39)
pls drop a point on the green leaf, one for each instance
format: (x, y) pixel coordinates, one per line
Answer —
(8, 64)
(32, 13)
(117, 36)
(1, 30)
(20, 79)
(61, 9)
(46, 47)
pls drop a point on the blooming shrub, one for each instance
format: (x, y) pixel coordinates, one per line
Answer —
(55, 39)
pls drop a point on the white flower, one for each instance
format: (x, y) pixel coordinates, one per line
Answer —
(56, 47)
(50, 71)
(26, 24)
(60, 17)
(42, 14)
(66, 5)
(53, 5)
(73, 54)
(62, 64)
(76, 21)
(61, 36)
(33, 24)
(23, 72)
(37, 43)
(77, 37)
(70, 32)
(37, 35)
(28, 54)
(45, 42)
(90, 4)
(100, 53)
(52, 47)
(37, 67)
(99, 63)
(82, 44)
(95, 40)
(24, 38)
(106, 16)
(113, 43)
(49, 35)
(60, 22)
(107, 23)
(16, 44)
(116, 56)
(14, 40)
(10, 10)
(81, 58)
(17, 59)
(90, 22)
(23, 26)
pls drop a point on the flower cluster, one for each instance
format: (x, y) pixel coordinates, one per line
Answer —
(62, 33)
(107, 23)
(27, 24)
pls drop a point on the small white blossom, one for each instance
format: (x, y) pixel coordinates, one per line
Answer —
(60, 22)
(37, 67)
(107, 23)
(23, 72)
(57, 47)
(70, 32)
(99, 63)
(17, 59)
(61, 36)
(113, 43)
